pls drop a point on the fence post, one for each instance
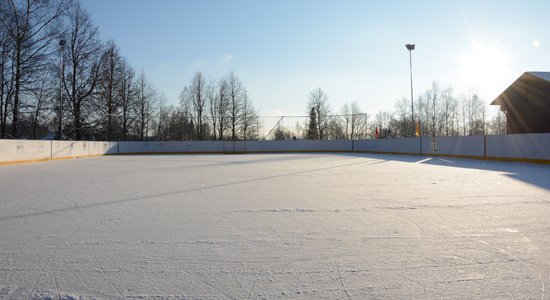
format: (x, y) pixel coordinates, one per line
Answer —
(484, 146)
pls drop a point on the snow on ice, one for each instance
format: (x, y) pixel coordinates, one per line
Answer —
(332, 226)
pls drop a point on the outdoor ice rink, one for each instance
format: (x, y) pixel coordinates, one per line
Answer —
(331, 226)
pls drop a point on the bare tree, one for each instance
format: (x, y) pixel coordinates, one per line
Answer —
(358, 124)
(441, 113)
(109, 79)
(431, 107)
(463, 114)
(186, 113)
(354, 121)
(345, 112)
(318, 100)
(497, 124)
(82, 62)
(335, 130)
(162, 121)
(127, 96)
(234, 91)
(482, 108)
(383, 121)
(42, 93)
(475, 113)
(197, 95)
(281, 133)
(5, 76)
(194, 99)
(222, 107)
(472, 113)
(424, 113)
(250, 125)
(145, 106)
(176, 125)
(403, 126)
(449, 111)
(212, 106)
(30, 28)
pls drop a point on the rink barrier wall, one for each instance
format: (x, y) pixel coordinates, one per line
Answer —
(533, 148)
(27, 151)
(18, 151)
(296, 146)
(189, 147)
(523, 147)
(388, 146)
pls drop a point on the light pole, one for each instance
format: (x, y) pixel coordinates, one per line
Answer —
(61, 67)
(410, 47)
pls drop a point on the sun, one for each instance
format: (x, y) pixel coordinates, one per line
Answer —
(483, 64)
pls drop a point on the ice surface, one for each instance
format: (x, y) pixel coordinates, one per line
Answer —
(274, 226)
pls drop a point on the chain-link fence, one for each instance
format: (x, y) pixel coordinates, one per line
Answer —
(180, 128)
(333, 127)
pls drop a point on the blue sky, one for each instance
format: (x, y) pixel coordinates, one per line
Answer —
(353, 50)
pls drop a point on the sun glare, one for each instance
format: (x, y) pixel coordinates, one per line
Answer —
(482, 64)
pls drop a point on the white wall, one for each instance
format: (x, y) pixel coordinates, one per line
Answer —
(101, 148)
(523, 146)
(19, 150)
(23, 150)
(171, 147)
(233, 146)
(62, 149)
(456, 145)
(297, 146)
(68, 149)
(517, 146)
(401, 145)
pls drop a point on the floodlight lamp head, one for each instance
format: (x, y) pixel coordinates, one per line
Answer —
(410, 47)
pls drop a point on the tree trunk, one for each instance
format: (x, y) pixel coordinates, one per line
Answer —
(77, 125)
(16, 99)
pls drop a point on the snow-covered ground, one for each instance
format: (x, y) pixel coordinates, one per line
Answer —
(274, 226)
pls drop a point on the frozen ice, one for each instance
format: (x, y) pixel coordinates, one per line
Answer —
(274, 226)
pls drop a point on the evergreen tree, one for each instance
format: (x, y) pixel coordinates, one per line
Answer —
(312, 129)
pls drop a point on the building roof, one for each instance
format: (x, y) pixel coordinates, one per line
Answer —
(542, 75)
(530, 89)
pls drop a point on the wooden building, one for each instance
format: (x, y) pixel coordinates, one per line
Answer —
(526, 103)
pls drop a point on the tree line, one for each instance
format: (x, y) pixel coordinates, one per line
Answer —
(214, 110)
(437, 111)
(440, 112)
(57, 76)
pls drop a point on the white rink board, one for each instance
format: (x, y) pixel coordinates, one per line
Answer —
(21, 150)
(171, 147)
(402, 145)
(298, 146)
(70, 149)
(28, 151)
(460, 146)
(524, 146)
